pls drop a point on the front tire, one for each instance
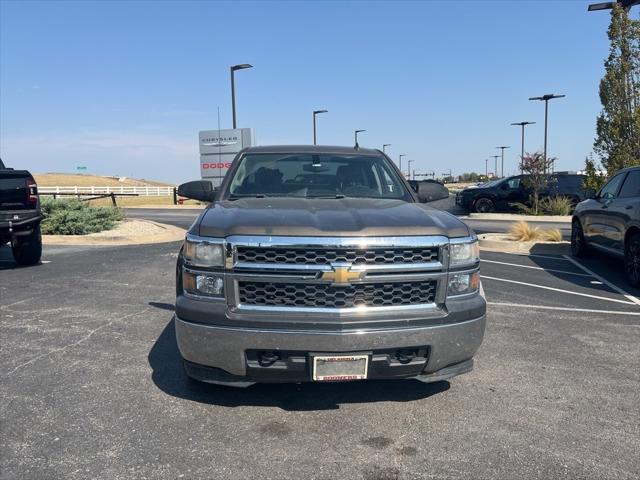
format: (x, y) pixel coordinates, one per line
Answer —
(27, 249)
(484, 205)
(578, 243)
(632, 260)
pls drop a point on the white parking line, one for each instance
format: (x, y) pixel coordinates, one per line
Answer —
(536, 268)
(564, 309)
(603, 280)
(558, 290)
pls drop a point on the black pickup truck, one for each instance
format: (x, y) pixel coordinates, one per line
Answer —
(20, 215)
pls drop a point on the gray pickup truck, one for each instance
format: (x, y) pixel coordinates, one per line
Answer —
(320, 264)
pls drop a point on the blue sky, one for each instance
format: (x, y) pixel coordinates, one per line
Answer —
(124, 87)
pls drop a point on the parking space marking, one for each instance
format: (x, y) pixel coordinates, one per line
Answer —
(557, 290)
(537, 268)
(564, 309)
(603, 280)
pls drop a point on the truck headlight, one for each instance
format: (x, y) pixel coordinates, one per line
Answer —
(467, 253)
(463, 283)
(203, 284)
(203, 253)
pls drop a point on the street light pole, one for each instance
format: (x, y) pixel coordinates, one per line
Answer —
(400, 158)
(356, 135)
(409, 162)
(522, 124)
(316, 112)
(486, 169)
(495, 160)
(384, 147)
(233, 88)
(545, 99)
(502, 167)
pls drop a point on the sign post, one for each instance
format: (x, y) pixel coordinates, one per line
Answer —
(218, 149)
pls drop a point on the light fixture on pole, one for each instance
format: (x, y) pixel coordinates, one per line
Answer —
(522, 124)
(384, 147)
(409, 162)
(400, 159)
(545, 99)
(233, 88)
(356, 135)
(626, 4)
(316, 112)
(502, 165)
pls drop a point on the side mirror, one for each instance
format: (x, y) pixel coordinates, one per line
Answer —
(590, 193)
(198, 190)
(504, 186)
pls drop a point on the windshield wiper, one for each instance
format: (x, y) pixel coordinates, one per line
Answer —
(238, 197)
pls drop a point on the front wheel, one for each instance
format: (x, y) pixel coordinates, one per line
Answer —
(27, 249)
(632, 260)
(578, 244)
(484, 205)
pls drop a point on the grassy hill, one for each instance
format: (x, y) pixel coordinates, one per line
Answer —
(86, 180)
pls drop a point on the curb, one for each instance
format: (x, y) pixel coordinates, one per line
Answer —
(170, 234)
(497, 242)
(515, 217)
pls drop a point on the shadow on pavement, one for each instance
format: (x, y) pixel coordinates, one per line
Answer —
(169, 377)
(608, 267)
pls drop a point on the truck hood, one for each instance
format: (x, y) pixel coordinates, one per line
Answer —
(350, 217)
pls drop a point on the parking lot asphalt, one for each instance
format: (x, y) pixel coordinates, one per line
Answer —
(92, 385)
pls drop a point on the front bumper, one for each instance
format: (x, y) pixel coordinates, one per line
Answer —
(223, 354)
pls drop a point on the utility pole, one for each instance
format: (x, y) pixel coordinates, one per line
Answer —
(545, 99)
(486, 169)
(523, 124)
(233, 88)
(502, 167)
(316, 112)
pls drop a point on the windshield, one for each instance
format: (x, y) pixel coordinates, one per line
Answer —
(315, 175)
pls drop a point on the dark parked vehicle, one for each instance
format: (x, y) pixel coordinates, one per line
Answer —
(320, 264)
(503, 194)
(429, 190)
(610, 222)
(20, 215)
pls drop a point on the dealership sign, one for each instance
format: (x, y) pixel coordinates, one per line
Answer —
(218, 149)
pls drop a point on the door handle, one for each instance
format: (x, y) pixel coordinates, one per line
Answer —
(628, 207)
(604, 207)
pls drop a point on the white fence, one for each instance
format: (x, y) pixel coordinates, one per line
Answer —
(142, 191)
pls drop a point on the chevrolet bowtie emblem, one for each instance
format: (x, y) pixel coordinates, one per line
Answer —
(341, 275)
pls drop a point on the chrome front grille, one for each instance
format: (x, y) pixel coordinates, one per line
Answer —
(270, 294)
(322, 276)
(326, 256)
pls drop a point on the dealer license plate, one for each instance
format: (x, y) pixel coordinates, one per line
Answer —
(334, 368)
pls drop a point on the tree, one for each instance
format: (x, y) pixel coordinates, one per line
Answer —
(593, 179)
(617, 140)
(534, 166)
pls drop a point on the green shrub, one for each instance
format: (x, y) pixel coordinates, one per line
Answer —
(556, 205)
(547, 206)
(73, 217)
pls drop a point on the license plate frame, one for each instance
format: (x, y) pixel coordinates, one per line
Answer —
(356, 367)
